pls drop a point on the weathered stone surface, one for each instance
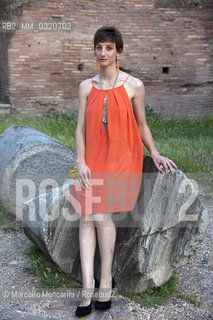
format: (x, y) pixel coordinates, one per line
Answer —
(50, 221)
(164, 230)
(158, 236)
(29, 154)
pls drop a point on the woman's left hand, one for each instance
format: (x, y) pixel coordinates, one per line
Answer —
(167, 163)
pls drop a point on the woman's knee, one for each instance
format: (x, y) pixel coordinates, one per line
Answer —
(103, 220)
(87, 221)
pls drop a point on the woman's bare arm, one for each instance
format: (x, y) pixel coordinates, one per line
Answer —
(83, 172)
(145, 133)
(139, 111)
(80, 129)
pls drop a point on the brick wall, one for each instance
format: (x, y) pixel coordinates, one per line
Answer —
(167, 44)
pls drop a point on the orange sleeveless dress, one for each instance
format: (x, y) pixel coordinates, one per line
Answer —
(114, 157)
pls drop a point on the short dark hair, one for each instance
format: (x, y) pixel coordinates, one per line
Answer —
(111, 34)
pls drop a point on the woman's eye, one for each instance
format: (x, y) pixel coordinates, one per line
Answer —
(108, 48)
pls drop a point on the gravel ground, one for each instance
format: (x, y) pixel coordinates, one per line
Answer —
(196, 277)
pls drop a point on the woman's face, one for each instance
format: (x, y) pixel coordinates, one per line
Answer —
(106, 53)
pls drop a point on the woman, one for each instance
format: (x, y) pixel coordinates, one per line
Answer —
(110, 130)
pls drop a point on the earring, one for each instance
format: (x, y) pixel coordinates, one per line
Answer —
(117, 63)
(96, 64)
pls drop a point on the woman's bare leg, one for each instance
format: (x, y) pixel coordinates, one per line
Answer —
(106, 232)
(87, 243)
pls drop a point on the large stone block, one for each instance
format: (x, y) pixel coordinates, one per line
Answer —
(156, 238)
(31, 161)
(153, 241)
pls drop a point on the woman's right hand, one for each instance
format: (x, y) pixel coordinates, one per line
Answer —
(83, 176)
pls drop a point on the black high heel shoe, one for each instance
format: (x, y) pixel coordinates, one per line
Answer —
(82, 311)
(104, 305)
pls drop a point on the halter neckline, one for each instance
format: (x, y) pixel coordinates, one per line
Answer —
(111, 88)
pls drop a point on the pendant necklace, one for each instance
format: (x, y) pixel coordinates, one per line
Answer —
(104, 117)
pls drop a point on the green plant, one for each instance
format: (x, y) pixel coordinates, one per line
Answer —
(50, 275)
(154, 297)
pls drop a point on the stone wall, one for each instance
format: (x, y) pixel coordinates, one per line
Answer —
(168, 45)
